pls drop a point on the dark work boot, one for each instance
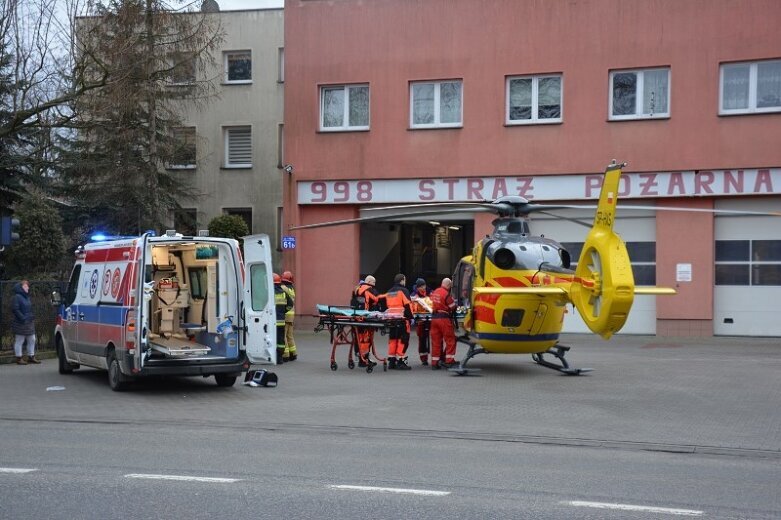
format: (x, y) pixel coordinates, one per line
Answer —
(392, 363)
(401, 364)
(280, 356)
(293, 357)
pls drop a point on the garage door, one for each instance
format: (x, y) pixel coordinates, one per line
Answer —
(638, 230)
(747, 296)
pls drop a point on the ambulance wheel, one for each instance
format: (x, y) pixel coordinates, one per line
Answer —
(225, 380)
(116, 379)
(334, 366)
(62, 363)
(351, 364)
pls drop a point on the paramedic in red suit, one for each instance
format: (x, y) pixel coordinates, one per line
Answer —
(422, 327)
(398, 302)
(366, 295)
(442, 305)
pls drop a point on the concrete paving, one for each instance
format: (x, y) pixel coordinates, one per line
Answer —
(714, 395)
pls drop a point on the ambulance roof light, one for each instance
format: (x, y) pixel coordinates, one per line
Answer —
(98, 237)
(203, 232)
(170, 232)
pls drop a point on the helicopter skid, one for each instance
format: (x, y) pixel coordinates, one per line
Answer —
(559, 352)
(464, 371)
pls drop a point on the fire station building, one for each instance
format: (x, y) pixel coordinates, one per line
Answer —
(417, 101)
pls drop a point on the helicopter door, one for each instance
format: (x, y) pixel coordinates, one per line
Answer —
(539, 319)
(260, 333)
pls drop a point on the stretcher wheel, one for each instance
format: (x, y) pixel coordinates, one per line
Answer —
(334, 366)
(384, 367)
(351, 364)
(369, 369)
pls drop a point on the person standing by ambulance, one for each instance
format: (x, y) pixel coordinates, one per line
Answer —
(290, 343)
(22, 323)
(443, 305)
(423, 326)
(366, 298)
(282, 304)
(398, 302)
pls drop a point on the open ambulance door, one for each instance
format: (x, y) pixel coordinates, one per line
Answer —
(260, 327)
(143, 295)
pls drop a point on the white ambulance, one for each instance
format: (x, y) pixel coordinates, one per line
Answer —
(169, 305)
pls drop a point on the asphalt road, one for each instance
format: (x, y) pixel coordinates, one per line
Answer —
(662, 428)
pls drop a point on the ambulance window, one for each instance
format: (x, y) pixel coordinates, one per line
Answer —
(73, 286)
(259, 286)
(197, 276)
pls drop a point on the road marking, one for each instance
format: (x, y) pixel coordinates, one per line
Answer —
(186, 478)
(423, 492)
(630, 507)
(18, 470)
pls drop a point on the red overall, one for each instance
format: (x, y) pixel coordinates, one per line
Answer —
(442, 326)
(366, 335)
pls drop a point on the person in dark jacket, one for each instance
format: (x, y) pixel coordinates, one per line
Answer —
(23, 324)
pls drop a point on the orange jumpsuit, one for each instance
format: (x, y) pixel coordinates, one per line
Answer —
(442, 327)
(368, 295)
(398, 302)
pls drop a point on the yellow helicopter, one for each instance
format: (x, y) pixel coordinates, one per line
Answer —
(514, 287)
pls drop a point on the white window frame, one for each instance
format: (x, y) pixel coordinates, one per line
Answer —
(226, 147)
(638, 114)
(437, 86)
(186, 166)
(346, 115)
(535, 120)
(753, 76)
(225, 56)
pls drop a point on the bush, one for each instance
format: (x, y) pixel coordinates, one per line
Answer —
(39, 251)
(228, 226)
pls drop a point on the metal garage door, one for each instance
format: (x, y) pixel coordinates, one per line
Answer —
(638, 230)
(747, 295)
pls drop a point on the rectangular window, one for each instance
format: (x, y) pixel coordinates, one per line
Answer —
(640, 94)
(258, 275)
(344, 107)
(280, 227)
(186, 221)
(238, 147)
(238, 66)
(281, 65)
(533, 99)
(437, 104)
(750, 87)
(244, 213)
(183, 155)
(182, 70)
(748, 262)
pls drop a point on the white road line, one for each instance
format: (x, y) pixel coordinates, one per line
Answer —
(186, 478)
(630, 507)
(18, 470)
(423, 492)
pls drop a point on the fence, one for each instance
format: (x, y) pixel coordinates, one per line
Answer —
(45, 314)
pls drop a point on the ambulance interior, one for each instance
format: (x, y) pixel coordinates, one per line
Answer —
(190, 311)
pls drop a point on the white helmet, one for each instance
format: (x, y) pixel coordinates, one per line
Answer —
(371, 280)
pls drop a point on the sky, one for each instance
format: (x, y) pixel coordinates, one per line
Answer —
(233, 5)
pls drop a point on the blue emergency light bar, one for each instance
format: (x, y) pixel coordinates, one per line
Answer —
(100, 237)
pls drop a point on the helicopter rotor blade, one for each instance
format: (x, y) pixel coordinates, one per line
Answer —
(390, 216)
(576, 221)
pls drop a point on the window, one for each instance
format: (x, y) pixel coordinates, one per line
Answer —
(750, 87)
(244, 213)
(748, 262)
(281, 65)
(238, 147)
(186, 221)
(641, 254)
(436, 104)
(344, 107)
(238, 66)
(182, 70)
(183, 153)
(533, 99)
(639, 94)
(258, 276)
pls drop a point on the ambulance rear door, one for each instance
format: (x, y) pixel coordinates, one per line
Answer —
(259, 328)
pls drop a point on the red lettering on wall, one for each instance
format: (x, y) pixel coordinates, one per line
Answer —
(500, 188)
(450, 187)
(733, 181)
(763, 179)
(648, 184)
(593, 184)
(702, 182)
(473, 189)
(525, 187)
(426, 190)
(676, 183)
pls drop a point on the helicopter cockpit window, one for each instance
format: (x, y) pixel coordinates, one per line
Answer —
(462, 284)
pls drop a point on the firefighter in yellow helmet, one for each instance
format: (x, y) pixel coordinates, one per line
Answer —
(290, 344)
(282, 303)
